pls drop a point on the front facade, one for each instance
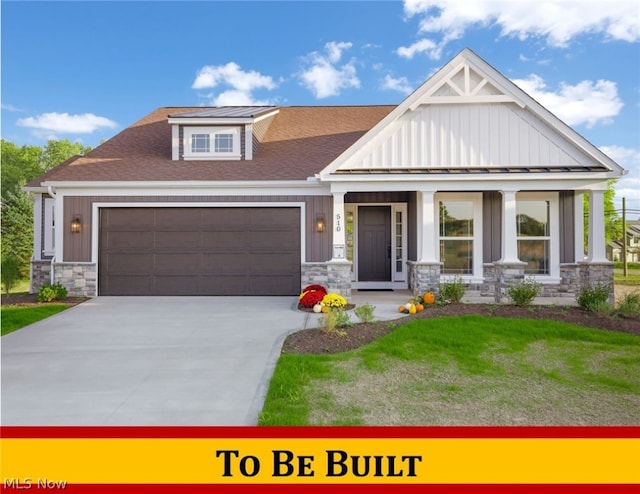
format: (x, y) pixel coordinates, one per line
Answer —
(468, 177)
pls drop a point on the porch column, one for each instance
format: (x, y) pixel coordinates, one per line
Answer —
(339, 239)
(597, 252)
(578, 226)
(509, 269)
(427, 246)
(509, 231)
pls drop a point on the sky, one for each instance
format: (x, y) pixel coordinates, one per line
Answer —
(86, 70)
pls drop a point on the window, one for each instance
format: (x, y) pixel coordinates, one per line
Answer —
(200, 143)
(214, 142)
(534, 238)
(459, 234)
(224, 143)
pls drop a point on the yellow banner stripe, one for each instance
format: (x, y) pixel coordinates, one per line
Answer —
(323, 460)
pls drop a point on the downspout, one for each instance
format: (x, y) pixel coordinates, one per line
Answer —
(53, 259)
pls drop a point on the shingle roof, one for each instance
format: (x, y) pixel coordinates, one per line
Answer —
(300, 142)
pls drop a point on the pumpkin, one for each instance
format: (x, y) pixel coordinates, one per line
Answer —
(419, 307)
(317, 308)
(412, 309)
(401, 308)
(325, 309)
(429, 298)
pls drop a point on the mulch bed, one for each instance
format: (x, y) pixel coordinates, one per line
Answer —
(314, 341)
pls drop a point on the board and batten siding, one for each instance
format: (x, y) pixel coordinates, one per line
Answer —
(467, 135)
(77, 246)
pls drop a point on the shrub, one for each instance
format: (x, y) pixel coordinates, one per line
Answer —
(523, 292)
(629, 306)
(452, 291)
(365, 312)
(49, 293)
(334, 300)
(592, 298)
(333, 319)
(10, 273)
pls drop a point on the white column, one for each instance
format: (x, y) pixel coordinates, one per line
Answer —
(597, 252)
(339, 225)
(37, 227)
(427, 240)
(578, 226)
(509, 230)
(60, 227)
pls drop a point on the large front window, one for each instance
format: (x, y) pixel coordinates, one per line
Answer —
(456, 236)
(534, 235)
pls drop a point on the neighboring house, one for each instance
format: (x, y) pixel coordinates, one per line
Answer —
(614, 248)
(468, 176)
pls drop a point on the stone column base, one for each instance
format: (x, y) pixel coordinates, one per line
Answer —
(424, 276)
(506, 274)
(335, 276)
(597, 274)
(40, 274)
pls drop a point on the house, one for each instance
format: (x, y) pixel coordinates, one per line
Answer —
(614, 248)
(468, 177)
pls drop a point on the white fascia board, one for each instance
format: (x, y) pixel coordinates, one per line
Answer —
(35, 190)
(188, 188)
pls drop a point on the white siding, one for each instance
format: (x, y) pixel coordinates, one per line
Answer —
(466, 135)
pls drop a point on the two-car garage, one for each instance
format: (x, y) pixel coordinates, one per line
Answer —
(199, 251)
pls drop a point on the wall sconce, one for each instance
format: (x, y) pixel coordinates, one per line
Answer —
(320, 224)
(76, 224)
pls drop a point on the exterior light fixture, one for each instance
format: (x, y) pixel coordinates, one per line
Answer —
(76, 224)
(320, 224)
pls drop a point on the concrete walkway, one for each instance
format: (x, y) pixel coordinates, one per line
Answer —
(147, 361)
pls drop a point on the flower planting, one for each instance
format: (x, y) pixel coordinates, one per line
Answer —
(312, 295)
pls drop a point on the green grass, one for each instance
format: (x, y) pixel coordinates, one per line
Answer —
(468, 370)
(22, 286)
(630, 279)
(16, 317)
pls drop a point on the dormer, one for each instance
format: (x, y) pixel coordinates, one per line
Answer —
(220, 133)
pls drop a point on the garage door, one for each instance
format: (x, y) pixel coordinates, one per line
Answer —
(199, 251)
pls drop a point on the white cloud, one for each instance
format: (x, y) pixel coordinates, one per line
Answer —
(11, 108)
(400, 84)
(241, 84)
(557, 22)
(629, 185)
(587, 102)
(63, 123)
(324, 77)
(432, 49)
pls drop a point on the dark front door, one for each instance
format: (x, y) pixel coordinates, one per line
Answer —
(374, 243)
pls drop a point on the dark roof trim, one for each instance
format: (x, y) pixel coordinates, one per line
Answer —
(226, 112)
(472, 170)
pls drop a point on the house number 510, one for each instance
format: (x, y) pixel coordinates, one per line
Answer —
(338, 222)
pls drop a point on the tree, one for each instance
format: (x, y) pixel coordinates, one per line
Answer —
(612, 220)
(20, 165)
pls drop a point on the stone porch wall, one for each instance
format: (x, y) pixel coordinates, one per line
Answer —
(78, 278)
(423, 276)
(334, 275)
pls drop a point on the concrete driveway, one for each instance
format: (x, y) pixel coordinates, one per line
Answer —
(147, 361)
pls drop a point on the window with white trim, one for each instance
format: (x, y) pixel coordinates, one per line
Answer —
(211, 143)
(459, 234)
(49, 221)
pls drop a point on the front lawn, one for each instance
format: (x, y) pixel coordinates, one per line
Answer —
(466, 370)
(16, 317)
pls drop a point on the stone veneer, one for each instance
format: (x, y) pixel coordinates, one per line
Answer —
(423, 276)
(40, 274)
(597, 273)
(79, 278)
(334, 275)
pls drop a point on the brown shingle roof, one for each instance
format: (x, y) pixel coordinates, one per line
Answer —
(300, 142)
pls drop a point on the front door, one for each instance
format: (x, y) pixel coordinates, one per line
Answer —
(374, 243)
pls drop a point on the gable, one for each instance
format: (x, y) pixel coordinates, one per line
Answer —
(470, 118)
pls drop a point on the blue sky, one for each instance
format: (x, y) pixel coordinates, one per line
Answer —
(85, 70)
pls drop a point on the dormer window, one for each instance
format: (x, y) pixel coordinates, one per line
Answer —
(211, 143)
(219, 133)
